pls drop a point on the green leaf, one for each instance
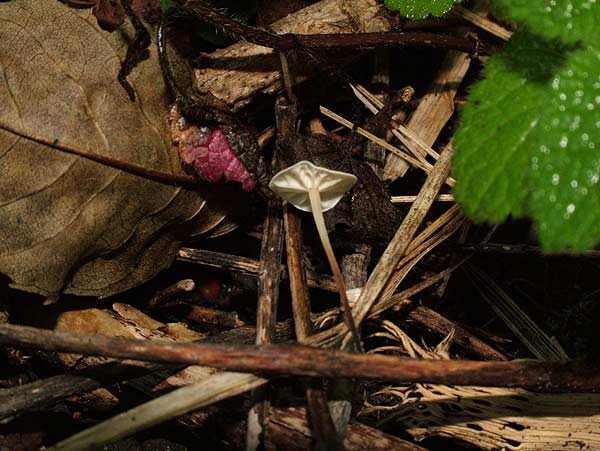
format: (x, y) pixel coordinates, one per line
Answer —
(529, 141)
(166, 4)
(569, 20)
(421, 9)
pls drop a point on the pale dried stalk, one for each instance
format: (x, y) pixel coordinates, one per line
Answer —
(410, 199)
(482, 22)
(418, 163)
(405, 135)
(397, 247)
(415, 255)
(213, 389)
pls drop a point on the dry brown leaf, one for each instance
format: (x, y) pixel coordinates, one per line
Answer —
(68, 224)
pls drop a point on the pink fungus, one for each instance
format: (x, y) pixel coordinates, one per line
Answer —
(208, 152)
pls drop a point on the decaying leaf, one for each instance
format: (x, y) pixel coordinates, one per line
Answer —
(70, 224)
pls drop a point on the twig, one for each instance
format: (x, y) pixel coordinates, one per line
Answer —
(322, 424)
(186, 181)
(297, 274)
(305, 42)
(268, 294)
(308, 361)
(243, 265)
(269, 273)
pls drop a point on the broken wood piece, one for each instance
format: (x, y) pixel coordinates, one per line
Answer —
(493, 418)
(243, 70)
(178, 288)
(214, 317)
(269, 277)
(290, 431)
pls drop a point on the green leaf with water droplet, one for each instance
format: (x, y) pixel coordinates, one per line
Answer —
(529, 141)
(569, 20)
(421, 9)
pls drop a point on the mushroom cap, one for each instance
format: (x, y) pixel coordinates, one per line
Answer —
(293, 183)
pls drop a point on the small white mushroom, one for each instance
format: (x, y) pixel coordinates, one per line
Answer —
(316, 189)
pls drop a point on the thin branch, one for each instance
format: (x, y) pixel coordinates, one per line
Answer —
(308, 361)
(186, 181)
(311, 42)
(322, 425)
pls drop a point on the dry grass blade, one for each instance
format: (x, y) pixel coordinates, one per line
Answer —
(399, 244)
(178, 402)
(532, 336)
(410, 199)
(405, 135)
(449, 222)
(433, 112)
(419, 250)
(482, 22)
(418, 163)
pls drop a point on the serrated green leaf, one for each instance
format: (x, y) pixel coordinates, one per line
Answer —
(421, 9)
(569, 20)
(529, 141)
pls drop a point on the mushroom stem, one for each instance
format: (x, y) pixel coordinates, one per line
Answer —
(317, 211)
